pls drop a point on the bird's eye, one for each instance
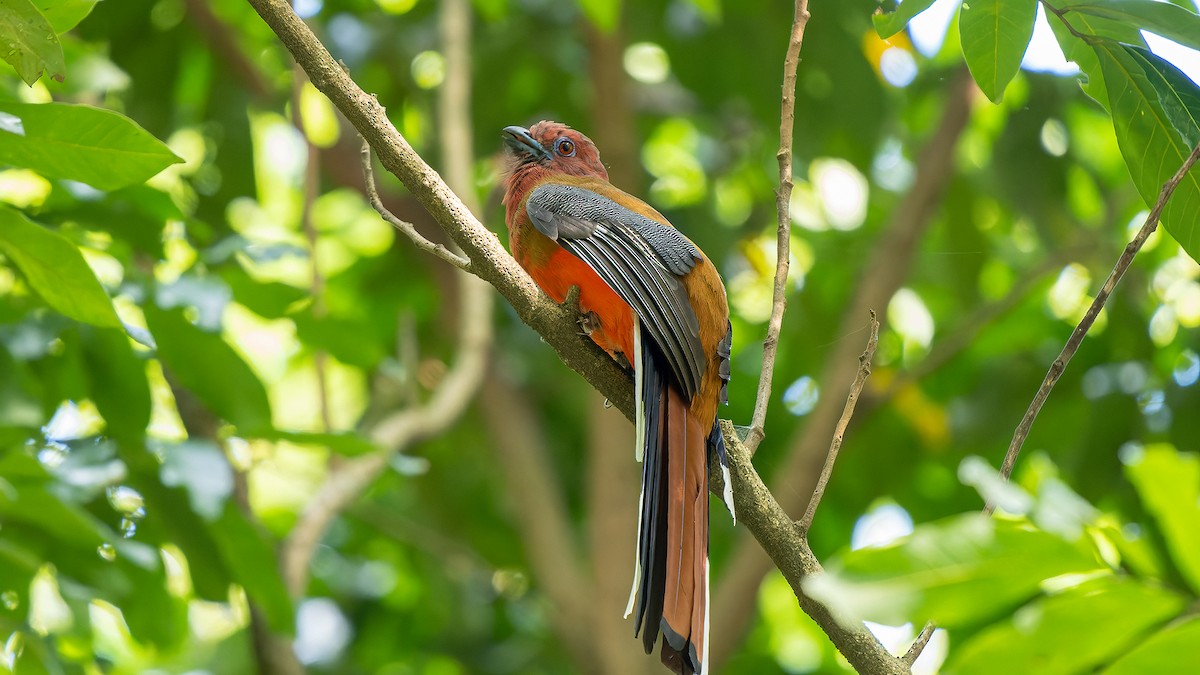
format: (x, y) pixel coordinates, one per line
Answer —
(565, 147)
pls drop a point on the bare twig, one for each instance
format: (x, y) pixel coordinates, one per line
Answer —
(783, 198)
(882, 274)
(860, 380)
(404, 226)
(1068, 350)
(914, 652)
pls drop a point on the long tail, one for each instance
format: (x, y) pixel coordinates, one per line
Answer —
(670, 589)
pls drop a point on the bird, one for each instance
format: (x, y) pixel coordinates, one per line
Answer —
(650, 298)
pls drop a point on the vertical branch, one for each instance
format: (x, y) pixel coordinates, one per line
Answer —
(783, 225)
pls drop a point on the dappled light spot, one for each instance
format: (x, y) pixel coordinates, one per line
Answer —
(671, 156)
(23, 188)
(1187, 369)
(428, 69)
(843, 192)
(801, 396)
(1068, 296)
(884, 523)
(897, 66)
(647, 62)
(322, 631)
(910, 318)
(1054, 137)
(48, 611)
(396, 6)
(890, 169)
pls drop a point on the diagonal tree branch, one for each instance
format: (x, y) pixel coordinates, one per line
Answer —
(1060, 364)
(759, 511)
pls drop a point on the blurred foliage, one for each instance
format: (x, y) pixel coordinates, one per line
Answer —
(163, 424)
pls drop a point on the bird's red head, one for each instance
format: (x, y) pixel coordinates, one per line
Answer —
(556, 147)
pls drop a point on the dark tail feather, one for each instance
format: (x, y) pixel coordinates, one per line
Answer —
(671, 591)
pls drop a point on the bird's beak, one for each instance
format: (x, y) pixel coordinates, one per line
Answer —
(522, 143)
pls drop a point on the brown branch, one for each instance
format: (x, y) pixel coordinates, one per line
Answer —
(406, 228)
(784, 541)
(783, 225)
(860, 380)
(557, 326)
(488, 258)
(1060, 364)
(539, 511)
(914, 652)
(883, 274)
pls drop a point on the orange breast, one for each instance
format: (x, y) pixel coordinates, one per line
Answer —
(559, 271)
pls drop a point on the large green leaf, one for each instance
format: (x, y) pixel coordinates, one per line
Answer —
(1123, 20)
(64, 15)
(55, 269)
(117, 382)
(29, 41)
(251, 557)
(890, 21)
(1081, 53)
(209, 368)
(955, 572)
(994, 35)
(1156, 113)
(1168, 483)
(1111, 611)
(1171, 650)
(78, 142)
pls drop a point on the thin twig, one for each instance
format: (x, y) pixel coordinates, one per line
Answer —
(403, 226)
(1060, 363)
(835, 445)
(914, 652)
(783, 234)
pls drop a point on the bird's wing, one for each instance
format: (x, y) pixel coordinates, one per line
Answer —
(641, 259)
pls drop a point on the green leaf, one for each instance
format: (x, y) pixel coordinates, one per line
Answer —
(209, 368)
(348, 340)
(1123, 20)
(344, 443)
(1081, 53)
(1168, 483)
(251, 557)
(1156, 114)
(994, 35)
(1171, 650)
(1111, 611)
(602, 13)
(64, 15)
(55, 269)
(117, 382)
(890, 21)
(78, 142)
(954, 572)
(29, 41)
